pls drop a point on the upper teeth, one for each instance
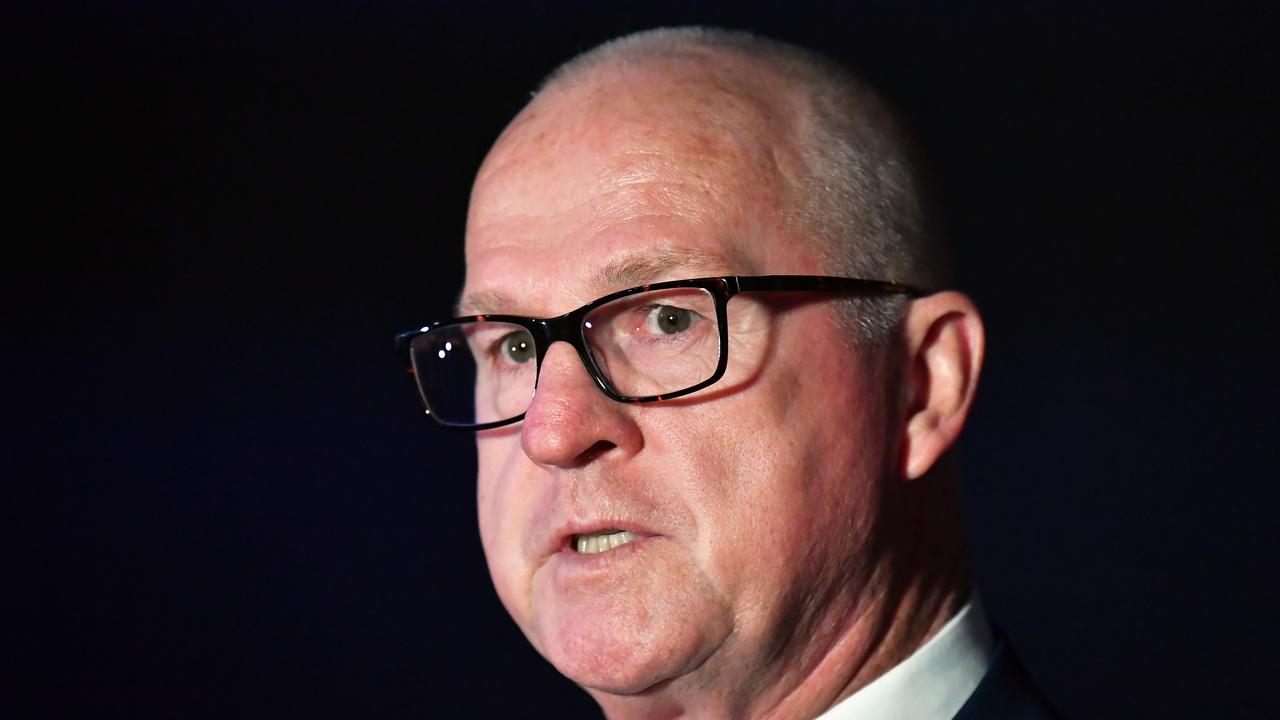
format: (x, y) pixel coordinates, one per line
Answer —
(602, 541)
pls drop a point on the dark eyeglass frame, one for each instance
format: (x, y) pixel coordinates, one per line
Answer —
(569, 327)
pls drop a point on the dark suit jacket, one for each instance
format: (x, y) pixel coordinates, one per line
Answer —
(1006, 693)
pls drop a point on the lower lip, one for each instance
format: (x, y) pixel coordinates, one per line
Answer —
(570, 561)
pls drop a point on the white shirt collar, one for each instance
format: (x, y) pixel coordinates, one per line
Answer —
(934, 681)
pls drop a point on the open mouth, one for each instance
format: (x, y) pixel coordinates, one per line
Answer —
(602, 541)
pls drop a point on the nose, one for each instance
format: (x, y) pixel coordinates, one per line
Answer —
(570, 422)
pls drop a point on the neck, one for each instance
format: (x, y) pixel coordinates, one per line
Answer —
(918, 582)
(921, 585)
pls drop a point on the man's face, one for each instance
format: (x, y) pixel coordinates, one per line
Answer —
(753, 502)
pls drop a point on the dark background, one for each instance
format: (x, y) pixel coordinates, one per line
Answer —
(224, 500)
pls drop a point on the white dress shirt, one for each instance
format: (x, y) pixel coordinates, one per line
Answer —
(934, 681)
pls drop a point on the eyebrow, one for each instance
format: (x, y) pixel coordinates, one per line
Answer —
(483, 302)
(630, 270)
(640, 268)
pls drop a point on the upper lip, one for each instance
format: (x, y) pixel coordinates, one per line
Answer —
(567, 530)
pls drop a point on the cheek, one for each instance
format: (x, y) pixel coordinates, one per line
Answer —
(502, 513)
(489, 490)
(795, 481)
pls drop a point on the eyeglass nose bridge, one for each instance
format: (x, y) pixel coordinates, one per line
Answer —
(568, 329)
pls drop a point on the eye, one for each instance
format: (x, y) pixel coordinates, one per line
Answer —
(517, 346)
(669, 319)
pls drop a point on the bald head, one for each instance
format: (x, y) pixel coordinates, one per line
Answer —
(731, 129)
(843, 166)
(703, 138)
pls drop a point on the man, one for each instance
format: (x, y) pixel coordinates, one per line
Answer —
(727, 497)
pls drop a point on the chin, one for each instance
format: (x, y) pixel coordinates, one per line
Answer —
(629, 647)
(620, 679)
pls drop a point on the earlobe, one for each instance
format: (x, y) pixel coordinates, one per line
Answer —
(945, 342)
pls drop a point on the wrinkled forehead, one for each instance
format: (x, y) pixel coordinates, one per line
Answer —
(690, 169)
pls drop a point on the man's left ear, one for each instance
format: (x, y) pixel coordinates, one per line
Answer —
(944, 344)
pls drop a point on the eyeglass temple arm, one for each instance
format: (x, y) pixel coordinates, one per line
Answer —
(822, 283)
(402, 339)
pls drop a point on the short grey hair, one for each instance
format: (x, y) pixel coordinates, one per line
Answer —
(859, 193)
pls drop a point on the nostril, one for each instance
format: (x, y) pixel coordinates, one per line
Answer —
(597, 449)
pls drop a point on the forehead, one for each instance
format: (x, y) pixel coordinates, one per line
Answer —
(630, 175)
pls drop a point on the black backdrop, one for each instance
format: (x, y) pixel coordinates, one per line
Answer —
(222, 496)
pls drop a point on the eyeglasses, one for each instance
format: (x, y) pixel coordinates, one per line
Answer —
(653, 342)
